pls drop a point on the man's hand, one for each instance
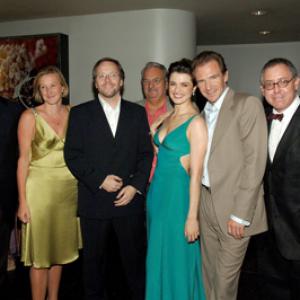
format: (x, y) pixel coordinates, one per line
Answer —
(125, 195)
(235, 229)
(112, 183)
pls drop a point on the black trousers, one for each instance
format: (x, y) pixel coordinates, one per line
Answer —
(130, 233)
(8, 194)
(280, 277)
(5, 230)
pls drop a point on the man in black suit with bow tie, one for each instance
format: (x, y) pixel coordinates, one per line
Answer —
(108, 149)
(279, 248)
(9, 115)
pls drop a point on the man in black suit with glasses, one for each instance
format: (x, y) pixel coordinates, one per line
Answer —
(279, 248)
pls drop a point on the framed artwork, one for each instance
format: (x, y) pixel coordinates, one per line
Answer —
(21, 57)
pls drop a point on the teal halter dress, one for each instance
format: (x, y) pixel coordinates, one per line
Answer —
(173, 266)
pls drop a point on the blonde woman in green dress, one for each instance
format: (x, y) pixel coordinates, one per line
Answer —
(47, 189)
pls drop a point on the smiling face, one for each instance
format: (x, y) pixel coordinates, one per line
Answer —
(108, 81)
(181, 88)
(279, 97)
(154, 85)
(50, 88)
(210, 80)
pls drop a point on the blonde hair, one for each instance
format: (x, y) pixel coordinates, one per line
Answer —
(45, 71)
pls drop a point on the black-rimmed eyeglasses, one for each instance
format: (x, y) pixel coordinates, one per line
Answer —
(281, 83)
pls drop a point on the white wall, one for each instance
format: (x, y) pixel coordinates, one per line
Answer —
(132, 37)
(244, 62)
(135, 37)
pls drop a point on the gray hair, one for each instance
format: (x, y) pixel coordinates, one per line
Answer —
(279, 61)
(152, 64)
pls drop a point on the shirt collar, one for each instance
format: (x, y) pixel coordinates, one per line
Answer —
(163, 108)
(217, 105)
(290, 110)
(160, 111)
(107, 107)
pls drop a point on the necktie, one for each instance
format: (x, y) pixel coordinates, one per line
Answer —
(210, 114)
(275, 117)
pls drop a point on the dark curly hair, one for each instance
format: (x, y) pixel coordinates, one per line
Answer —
(181, 66)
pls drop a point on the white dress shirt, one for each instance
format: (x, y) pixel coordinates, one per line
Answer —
(278, 127)
(112, 114)
(211, 113)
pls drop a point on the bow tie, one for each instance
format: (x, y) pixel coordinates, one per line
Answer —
(275, 117)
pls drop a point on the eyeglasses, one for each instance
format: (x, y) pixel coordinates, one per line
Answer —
(111, 76)
(281, 83)
(154, 81)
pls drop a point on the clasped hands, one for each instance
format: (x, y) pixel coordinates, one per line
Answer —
(113, 183)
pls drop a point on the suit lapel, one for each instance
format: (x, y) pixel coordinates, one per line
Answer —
(99, 120)
(224, 118)
(288, 136)
(101, 124)
(269, 122)
(123, 121)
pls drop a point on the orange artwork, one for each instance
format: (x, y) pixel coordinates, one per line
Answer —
(22, 57)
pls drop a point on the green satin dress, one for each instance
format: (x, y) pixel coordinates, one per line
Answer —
(173, 266)
(53, 234)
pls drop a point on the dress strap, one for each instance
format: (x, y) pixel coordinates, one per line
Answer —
(188, 121)
(34, 111)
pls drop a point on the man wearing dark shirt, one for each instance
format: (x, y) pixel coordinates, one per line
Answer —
(9, 115)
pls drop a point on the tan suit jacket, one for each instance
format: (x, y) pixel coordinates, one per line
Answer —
(237, 162)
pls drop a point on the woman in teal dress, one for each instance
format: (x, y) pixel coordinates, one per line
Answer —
(173, 267)
(47, 189)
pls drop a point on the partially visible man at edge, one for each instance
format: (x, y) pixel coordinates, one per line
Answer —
(9, 116)
(279, 248)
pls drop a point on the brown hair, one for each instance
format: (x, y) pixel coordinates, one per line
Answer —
(208, 56)
(112, 60)
(45, 71)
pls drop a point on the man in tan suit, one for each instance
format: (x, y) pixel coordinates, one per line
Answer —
(232, 206)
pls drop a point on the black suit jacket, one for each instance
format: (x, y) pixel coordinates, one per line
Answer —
(9, 116)
(92, 153)
(282, 187)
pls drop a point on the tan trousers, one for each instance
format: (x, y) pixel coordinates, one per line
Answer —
(222, 255)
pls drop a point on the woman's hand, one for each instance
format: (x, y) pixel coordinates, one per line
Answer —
(23, 213)
(159, 121)
(191, 230)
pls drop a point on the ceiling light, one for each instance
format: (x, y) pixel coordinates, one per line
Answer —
(259, 12)
(264, 32)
